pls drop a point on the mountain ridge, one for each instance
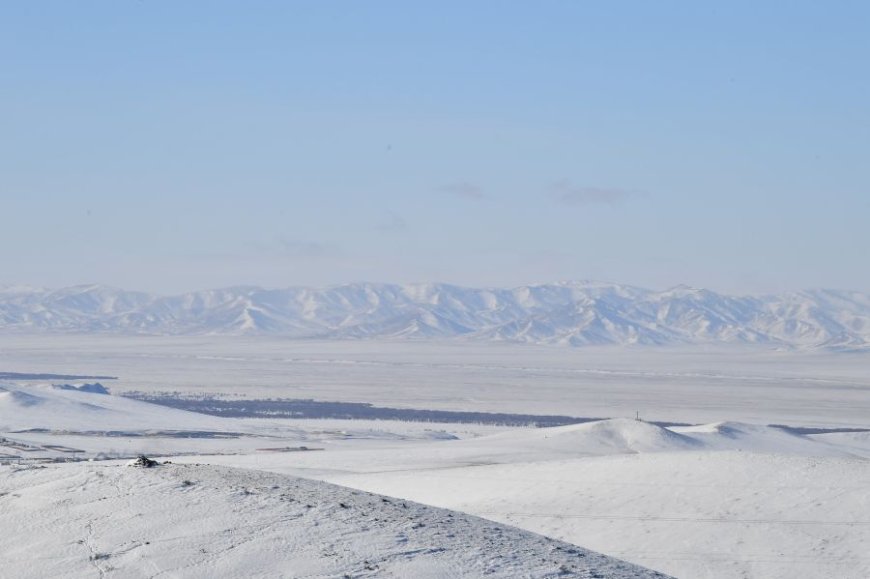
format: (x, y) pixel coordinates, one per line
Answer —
(571, 313)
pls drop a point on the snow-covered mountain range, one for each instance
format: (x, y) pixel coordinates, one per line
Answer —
(571, 313)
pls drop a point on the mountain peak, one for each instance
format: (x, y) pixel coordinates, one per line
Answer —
(566, 312)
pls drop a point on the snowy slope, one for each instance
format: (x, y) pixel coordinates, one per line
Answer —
(704, 515)
(47, 407)
(572, 313)
(96, 520)
(707, 502)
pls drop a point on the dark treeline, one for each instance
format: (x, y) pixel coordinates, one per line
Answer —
(300, 408)
(27, 376)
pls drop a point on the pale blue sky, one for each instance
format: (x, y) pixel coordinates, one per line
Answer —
(177, 145)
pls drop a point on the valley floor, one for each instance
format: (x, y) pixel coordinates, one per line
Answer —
(695, 385)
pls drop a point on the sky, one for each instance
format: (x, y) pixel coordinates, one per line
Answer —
(169, 146)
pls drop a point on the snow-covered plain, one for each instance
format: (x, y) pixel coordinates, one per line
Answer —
(730, 496)
(696, 385)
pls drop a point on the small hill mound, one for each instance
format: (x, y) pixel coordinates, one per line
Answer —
(634, 436)
(755, 438)
(627, 436)
(614, 436)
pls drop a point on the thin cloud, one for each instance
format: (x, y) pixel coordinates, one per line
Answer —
(464, 190)
(392, 222)
(281, 249)
(567, 193)
(306, 249)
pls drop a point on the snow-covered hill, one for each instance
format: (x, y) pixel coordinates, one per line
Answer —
(99, 520)
(46, 407)
(571, 313)
(706, 502)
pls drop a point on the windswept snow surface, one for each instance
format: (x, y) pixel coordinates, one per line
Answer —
(98, 520)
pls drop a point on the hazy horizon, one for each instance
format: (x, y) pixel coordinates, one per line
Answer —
(26, 287)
